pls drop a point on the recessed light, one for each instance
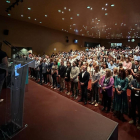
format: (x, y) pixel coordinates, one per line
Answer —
(112, 5)
(136, 24)
(106, 4)
(98, 20)
(21, 15)
(29, 8)
(29, 17)
(35, 19)
(115, 23)
(74, 24)
(62, 18)
(70, 28)
(105, 9)
(40, 22)
(106, 14)
(59, 11)
(69, 10)
(8, 1)
(77, 14)
(62, 12)
(62, 29)
(88, 7)
(45, 15)
(67, 31)
(9, 14)
(97, 23)
(65, 8)
(71, 17)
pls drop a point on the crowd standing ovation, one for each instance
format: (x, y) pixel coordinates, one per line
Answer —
(111, 72)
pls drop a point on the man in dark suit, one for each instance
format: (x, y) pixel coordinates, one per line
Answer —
(84, 78)
(61, 74)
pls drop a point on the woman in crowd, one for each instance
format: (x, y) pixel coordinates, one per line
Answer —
(128, 76)
(103, 69)
(67, 77)
(127, 64)
(115, 72)
(120, 104)
(95, 85)
(44, 71)
(54, 72)
(107, 83)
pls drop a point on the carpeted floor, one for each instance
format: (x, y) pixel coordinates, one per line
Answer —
(36, 104)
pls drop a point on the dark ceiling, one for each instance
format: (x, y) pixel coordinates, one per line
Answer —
(111, 19)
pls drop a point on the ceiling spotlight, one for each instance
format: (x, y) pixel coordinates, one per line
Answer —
(106, 4)
(71, 17)
(40, 22)
(106, 14)
(59, 11)
(136, 24)
(21, 15)
(88, 7)
(45, 15)
(29, 17)
(69, 10)
(74, 24)
(112, 5)
(8, 1)
(35, 19)
(9, 14)
(62, 29)
(62, 12)
(65, 8)
(62, 18)
(105, 9)
(98, 20)
(115, 23)
(77, 14)
(29, 8)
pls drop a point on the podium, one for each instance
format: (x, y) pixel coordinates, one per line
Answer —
(15, 89)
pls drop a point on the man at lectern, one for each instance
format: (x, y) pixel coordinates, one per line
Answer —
(3, 73)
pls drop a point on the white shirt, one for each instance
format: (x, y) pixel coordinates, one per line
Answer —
(83, 74)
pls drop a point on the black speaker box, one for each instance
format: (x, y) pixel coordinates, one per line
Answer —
(6, 32)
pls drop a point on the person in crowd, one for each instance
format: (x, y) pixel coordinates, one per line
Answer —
(36, 69)
(107, 83)
(115, 72)
(116, 63)
(128, 76)
(74, 80)
(127, 64)
(120, 104)
(111, 66)
(135, 99)
(95, 85)
(49, 71)
(84, 78)
(40, 71)
(54, 72)
(108, 62)
(135, 66)
(61, 74)
(3, 73)
(103, 69)
(67, 77)
(44, 71)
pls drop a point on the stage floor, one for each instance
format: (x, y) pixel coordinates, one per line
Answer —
(50, 116)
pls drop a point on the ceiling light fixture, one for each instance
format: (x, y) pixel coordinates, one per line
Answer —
(62, 18)
(29, 17)
(74, 24)
(102, 8)
(65, 8)
(21, 15)
(106, 14)
(62, 12)
(29, 8)
(8, 1)
(69, 10)
(88, 7)
(35, 19)
(62, 29)
(40, 22)
(106, 4)
(9, 14)
(45, 15)
(112, 5)
(77, 14)
(71, 17)
(105, 9)
(59, 11)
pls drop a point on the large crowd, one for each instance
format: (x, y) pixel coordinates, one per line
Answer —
(111, 72)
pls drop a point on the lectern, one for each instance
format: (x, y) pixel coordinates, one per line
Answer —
(14, 102)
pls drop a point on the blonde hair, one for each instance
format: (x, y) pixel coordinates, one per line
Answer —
(110, 73)
(116, 69)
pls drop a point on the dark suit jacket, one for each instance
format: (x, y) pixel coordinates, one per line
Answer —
(62, 71)
(85, 78)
